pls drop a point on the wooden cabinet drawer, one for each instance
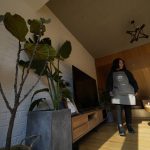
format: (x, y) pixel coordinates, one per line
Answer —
(79, 120)
(83, 123)
(100, 115)
(80, 131)
(93, 123)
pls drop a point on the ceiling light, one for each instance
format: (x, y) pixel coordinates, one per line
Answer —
(137, 32)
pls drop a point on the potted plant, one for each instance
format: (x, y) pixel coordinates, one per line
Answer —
(17, 26)
(57, 121)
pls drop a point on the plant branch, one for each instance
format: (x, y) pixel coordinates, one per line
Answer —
(16, 74)
(5, 99)
(52, 81)
(58, 76)
(33, 85)
(23, 73)
(28, 69)
(50, 88)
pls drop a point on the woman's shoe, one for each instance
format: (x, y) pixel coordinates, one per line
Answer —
(121, 130)
(130, 129)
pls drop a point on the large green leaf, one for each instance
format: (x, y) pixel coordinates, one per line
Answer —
(66, 93)
(36, 65)
(16, 25)
(36, 27)
(39, 91)
(56, 77)
(45, 21)
(46, 41)
(43, 51)
(35, 103)
(65, 50)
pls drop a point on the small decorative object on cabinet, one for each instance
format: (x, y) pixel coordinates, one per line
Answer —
(146, 104)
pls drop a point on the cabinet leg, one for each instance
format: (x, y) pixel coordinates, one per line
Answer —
(75, 146)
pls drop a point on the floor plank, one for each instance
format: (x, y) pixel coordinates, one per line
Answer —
(107, 138)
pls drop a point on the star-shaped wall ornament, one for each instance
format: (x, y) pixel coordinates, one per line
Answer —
(137, 32)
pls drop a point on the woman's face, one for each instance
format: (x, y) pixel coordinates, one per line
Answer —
(121, 64)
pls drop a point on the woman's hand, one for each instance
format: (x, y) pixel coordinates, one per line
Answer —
(111, 94)
(136, 94)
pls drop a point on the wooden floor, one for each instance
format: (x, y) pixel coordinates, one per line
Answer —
(107, 138)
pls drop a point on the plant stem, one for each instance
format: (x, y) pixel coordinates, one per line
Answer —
(5, 99)
(58, 86)
(28, 69)
(16, 74)
(17, 95)
(30, 90)
(10, 128)
(53, 85)
(50, 88)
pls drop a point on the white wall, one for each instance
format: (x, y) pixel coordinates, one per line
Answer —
(8, 46)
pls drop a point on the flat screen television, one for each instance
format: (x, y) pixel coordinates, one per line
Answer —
(85, 90)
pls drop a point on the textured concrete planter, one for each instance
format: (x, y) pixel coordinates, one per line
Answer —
(54, 128)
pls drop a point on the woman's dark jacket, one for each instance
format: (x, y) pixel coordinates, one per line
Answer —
(132, 81)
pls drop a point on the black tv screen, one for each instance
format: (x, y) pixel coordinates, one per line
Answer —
(85, 90)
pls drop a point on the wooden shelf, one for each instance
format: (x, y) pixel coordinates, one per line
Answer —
(83, 123)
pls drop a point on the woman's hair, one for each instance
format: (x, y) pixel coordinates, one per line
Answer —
(115, 64)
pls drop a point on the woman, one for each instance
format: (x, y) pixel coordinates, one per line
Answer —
(122, 88)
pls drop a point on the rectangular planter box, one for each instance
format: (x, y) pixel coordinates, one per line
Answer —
(54, 128)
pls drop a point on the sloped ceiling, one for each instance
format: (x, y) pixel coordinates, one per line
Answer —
(101, 25)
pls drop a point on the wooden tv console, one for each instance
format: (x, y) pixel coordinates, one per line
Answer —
(83, 123)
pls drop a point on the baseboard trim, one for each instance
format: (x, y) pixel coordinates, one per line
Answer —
(140, 113)
(136, 113)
